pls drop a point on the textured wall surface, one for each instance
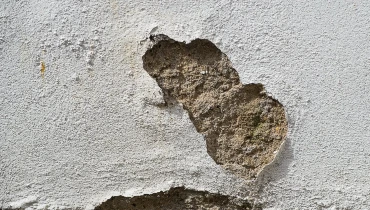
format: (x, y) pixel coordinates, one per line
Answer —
(83, 129)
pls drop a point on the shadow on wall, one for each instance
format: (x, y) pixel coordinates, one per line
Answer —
(279, 168)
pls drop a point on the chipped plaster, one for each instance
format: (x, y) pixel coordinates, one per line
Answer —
(86, 130)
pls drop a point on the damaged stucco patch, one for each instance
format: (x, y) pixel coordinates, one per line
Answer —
(242, 125)
(176, 199)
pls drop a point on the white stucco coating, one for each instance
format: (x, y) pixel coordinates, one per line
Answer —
(88, 129)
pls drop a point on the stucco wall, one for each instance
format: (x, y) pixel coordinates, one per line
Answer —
(85, 129)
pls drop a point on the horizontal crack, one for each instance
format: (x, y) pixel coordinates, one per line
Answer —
(177, 198)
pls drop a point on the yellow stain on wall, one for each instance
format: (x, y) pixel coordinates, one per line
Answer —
(42, 70)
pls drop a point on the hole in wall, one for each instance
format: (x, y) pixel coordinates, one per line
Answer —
(177, 198)
(242, 125)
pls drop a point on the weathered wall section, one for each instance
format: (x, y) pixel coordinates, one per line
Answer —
(242, 126)
(79, 124)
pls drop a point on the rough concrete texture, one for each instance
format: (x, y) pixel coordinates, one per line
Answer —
(177, 198)
(88, 130)
(243, 127)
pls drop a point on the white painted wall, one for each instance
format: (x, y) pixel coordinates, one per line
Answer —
(87, 131)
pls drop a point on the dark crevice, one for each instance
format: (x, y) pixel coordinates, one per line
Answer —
(177, 198)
